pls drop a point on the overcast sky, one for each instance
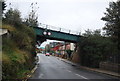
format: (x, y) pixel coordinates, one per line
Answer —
(77, 15)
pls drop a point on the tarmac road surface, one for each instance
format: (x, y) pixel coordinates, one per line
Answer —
(51, 67)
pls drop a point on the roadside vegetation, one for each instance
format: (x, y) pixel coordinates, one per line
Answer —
(18, 46)
(96, 47)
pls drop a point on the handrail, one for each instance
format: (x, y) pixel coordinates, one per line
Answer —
(58, 29)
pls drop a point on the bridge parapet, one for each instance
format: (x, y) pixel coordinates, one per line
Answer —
(59, 29)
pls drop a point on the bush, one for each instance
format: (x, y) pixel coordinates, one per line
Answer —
(18, 48)
(96, 48)
(17, 52)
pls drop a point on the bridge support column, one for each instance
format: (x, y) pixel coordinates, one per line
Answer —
(76, 54)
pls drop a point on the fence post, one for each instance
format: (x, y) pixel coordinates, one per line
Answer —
(60, 29)
(69, 31)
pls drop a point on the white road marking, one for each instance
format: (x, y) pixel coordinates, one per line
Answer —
(41, 75)
(69, 71)
(81, 76)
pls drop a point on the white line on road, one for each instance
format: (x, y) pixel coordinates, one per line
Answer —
(41, 75)
(69, 71)
(81, 76)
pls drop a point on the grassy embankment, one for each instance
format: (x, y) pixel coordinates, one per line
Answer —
(17, 48)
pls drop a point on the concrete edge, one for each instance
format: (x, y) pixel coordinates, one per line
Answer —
(32, 71)
(100, 71)
(91, 69)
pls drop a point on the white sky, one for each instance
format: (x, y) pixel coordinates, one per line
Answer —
(77, 15)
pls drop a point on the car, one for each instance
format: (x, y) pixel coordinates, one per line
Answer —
(47, 54)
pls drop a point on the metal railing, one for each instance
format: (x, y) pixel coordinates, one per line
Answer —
(58, 29)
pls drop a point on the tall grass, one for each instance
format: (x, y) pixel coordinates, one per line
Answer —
(17, 60)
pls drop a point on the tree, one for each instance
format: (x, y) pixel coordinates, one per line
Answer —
(112, 18)
(97, 32)
(87, 33)
(96, 48)
(32, 19)
(12, 17)
(69, 52)
(19, 47)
